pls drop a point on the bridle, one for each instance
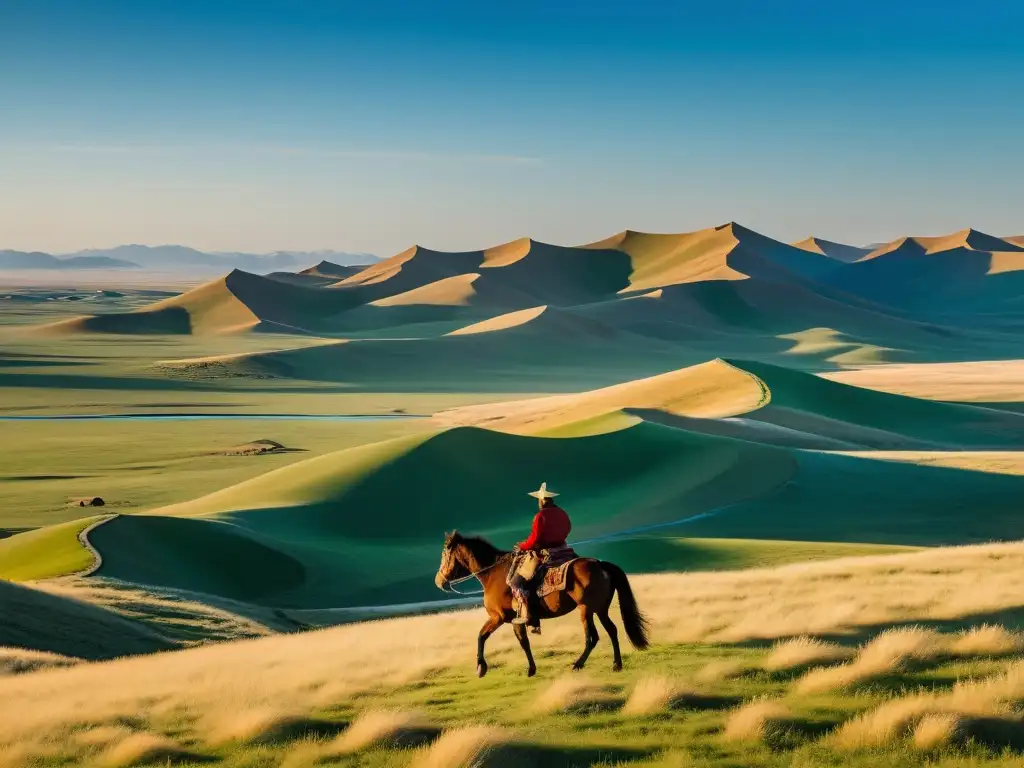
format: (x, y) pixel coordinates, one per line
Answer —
(447, 567)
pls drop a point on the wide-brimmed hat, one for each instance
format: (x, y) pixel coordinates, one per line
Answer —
(543, 492)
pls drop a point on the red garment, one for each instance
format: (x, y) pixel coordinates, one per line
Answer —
(551, 528)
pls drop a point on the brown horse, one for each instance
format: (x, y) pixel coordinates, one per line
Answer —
(589, 586)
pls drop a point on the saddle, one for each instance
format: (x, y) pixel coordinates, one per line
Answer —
(546, 569)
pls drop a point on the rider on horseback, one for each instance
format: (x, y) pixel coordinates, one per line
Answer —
(551, 528)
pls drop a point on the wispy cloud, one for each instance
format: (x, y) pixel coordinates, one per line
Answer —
(287, 150)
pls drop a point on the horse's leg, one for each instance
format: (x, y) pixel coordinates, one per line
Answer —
(485, 631)
(613, 635)
(590, 636)
(524, 642)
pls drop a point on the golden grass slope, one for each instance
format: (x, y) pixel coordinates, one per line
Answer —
(708, 391)
(307, 672)
(777, 405)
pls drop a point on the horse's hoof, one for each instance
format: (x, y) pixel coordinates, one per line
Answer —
(577, 667)
(481, 670)
(617, 667)
(531, 672)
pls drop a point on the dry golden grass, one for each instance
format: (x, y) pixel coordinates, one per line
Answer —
(378, 727)
(652, 694)
(938, 730)
(297, 674)
(804, 652)
(16, 661)
(996, 697)
(261, 726)
(889, 652)
(462, 747)
(986, 640)
(102, 736)
(897, 649)
(710, 390)
(140, 748)
(756, 721)
(565, 693)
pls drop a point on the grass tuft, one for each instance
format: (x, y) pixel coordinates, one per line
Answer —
(380, 727)
(890, 651)
(938, 730)
(760, 720)
(266, 726)
(566, 693)
(142, 748)
(463, 747)
(17, 661)
(651, 695)
(986, 640)
(804, 652)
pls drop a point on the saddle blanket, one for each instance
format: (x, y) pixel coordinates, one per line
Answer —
(553, 578)
(552, 565)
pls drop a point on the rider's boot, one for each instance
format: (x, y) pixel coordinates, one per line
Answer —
(523, 608)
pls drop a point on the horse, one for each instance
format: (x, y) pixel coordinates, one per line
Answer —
(590, 586)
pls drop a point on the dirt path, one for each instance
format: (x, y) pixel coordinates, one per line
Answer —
(83, 539)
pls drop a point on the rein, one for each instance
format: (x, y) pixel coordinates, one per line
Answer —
(462, 579)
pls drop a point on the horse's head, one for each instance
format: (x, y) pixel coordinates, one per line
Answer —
(452, 565)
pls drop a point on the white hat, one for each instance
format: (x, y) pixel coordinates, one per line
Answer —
(543, 492)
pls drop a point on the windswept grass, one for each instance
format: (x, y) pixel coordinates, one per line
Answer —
(652, 694)
(890, 651)
(757, 721)
(462, 747)
(145, 748)
(898, 650)
(938, 730)
(378, 727)
(264, 726)
(968, 703)
(803, 652)
(566, 693)
(287, 698)
(16, 661)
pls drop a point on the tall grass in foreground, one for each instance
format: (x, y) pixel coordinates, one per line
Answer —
(272, 687)
(897, 650)
(992, 701)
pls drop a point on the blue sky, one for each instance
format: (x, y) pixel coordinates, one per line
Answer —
(290, 124)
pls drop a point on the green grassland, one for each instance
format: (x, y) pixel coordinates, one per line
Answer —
(727, 465)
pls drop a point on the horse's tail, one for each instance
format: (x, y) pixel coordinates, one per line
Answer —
(634, 621)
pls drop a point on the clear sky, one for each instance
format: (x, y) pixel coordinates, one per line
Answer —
(371, 126)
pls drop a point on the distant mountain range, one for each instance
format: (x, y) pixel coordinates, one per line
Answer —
(177, 258)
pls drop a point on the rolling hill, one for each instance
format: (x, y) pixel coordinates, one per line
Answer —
(722, 290)
(727, 449)
(967, 274)
(837, 251)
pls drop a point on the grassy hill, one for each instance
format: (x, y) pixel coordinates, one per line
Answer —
(908, 659)
(325, 513)
(778, 406)
(41, 621)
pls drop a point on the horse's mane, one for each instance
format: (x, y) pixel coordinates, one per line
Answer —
(478, 545)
